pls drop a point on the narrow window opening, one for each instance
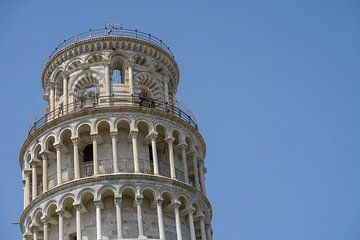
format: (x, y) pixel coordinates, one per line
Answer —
(117, 76)
(88, 153)
(150, 153)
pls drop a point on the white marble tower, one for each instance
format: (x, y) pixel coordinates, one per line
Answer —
(114, 157)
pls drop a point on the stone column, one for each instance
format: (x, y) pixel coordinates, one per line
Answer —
(35, 232)
(46, 228)
(34, 179)
(66, 94)
(133, 135)
(75, 142)
(153, 137)
(138, 200)
(202, 177)
(196, 172)
(191, 223)
(27, 187)
(78, 220)
(61, 225)
(95, 154)
(170, 141)
(44, 171)
(52, 98)
(107, 78)
(160, 218)
(177, 220)
(118, 217)
(114, 151)
(131, 82)
(202, 226)
(58, 163)
(98, 220)
(183, 147)
(208, 231)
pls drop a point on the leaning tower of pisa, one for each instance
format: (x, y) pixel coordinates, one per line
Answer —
(114, 156)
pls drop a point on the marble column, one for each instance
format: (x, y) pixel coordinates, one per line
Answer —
(35, 232)
(114, 151)
(191, 223)
(98, 205)
(27, 186)
(75, 142)
(61, 225)
(196, 171)
(202, 226)
(208, 231)
(170, 141)
(183, 147)
(95, 153)
(131, 82)
(177, 220)
(202, 177)
(58, 163)
(34, 179)
(44, 157)
(133, 135)
(65, 94)
(160, 218)
(138, 201)
(118, 201)
(107, 78)
(78, 220)
(46, 228)
(153, 137)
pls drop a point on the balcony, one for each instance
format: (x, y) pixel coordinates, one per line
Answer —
(112, 30)
(113, 101)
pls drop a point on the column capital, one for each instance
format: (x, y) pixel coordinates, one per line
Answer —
(77, 206)
(133, 133)
(27, 171)
(98, 203)
(44, 154)
(190, 210)
(58, 146)
(177, 203)
(34, 162)
(75, 141)
(60, 212)
(114, 134)
(94, 137)
(139, 199)
(201, 216)
(170, 139)
(153, 135)
(118, 200)
(159, 200)
(45, 219)
(182, 145)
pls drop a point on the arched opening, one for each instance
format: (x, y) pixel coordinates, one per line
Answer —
(88, 153)
(124, 150)
(128, 208)
(117, 73)
(144, 146)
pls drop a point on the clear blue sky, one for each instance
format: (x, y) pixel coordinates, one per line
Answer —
(274, 85)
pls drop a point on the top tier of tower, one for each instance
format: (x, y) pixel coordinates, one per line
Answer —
(104, 64)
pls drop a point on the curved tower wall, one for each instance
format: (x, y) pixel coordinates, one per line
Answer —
(114, 157)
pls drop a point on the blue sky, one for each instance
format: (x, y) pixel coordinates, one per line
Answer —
(274, 86)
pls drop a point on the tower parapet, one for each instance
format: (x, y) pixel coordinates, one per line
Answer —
(114, 157)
